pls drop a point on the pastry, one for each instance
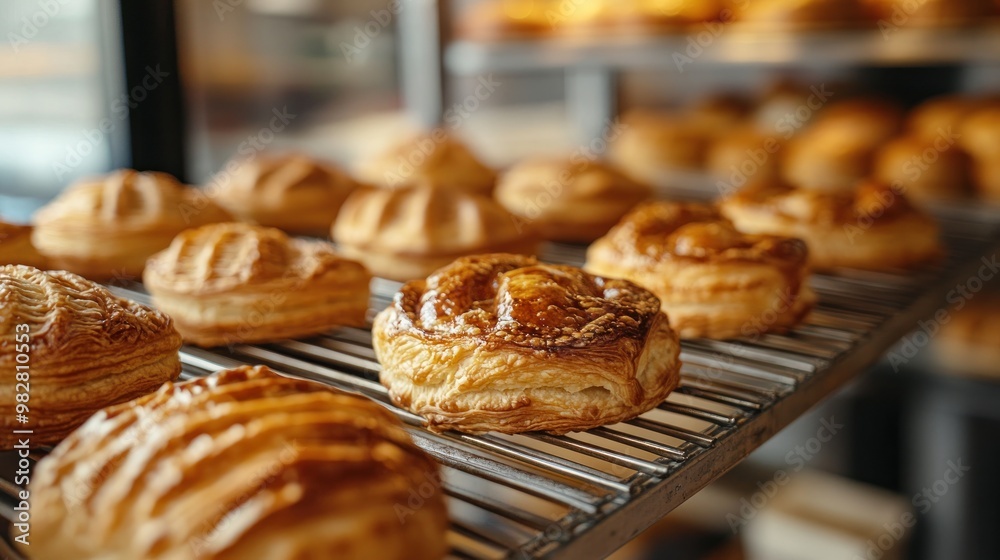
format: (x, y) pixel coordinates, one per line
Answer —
(925, 170)
(497, 20)
(719, 113)
(786, 108)
(403, 234)
(712, 280)
(503, 343)
(792, 14)
(865, 120)
(967, 342)
(979, 133)
(654, 144)
(873, 227)
(745, 155)
(930, 13)
(107, 227)
(72, 347)
(238, 283)
(831, 161)
(434, 159)
(291, 192)
(940, 117)
(986, 178)
(16, 247)
(663, 16)
(244, 464)
(569, 200)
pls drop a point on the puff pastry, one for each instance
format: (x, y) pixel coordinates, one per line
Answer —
(712, 280)
(940, 116)
(569, 200)
(16, 247)
(434, 159)
(925, 171)
(241, 465)
(238, 283)
(653, 144)
(872, 228)
(503, 343)
(82, 349)
(291, 192)
(745, 155)
(107, 227)
(403, 234)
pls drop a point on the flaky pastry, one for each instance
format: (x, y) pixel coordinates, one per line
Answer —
(16, 247)
(107, 227)
(434, 159)
(233, 282)
(712, 280)
(241, 465)
(291, 192)
(656, 143)
(926, 171)
(873, 227)
(569, 200)
(503, 343)
(73, 348)
(408, 233)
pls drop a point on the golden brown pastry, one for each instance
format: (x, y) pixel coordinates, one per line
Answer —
(980, 132)
(828, 161)
(434, 159)
(403, 234)
(503, 343)
(783, 14)
(291, 192)
(872, 228)
(719, 113)
(940, 117)
(930, 13)
(16, 247)
(745, 155)
(864, 119)
(493, 20)
(659, 16)
(653, 144)
(968, 341)
(924, 170)
(107, 227)
(72, 347)
(241, 465)
(785, 109)
(712, 280)
(569, 200)
(238, 283)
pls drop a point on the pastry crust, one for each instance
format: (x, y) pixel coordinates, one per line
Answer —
(16, 247)
(291, 192)
(872, 228)
(745, 155)
(712, 280)
(433, 159)
(653, 144)
(980, 132)
(924, 169)
(967, 343)
(107, 227)
(503, 343)
(569, 200)
(239, 283)
(940, 116)
(243, 464)
(403, 234)
(82, 348)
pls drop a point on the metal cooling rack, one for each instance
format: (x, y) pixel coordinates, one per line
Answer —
(583, 495)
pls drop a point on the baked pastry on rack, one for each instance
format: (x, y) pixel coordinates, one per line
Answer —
(16, 247)
(712, 280)
(865, 119)
(655, 144)
(798, 14)
(107, 227)
(745, 155)
(78, 348)
(434, 159)
(239, 283)
(873, 228)
(828, 161)
(967, 343)
(569, 200)
(291, 192)
(922, 169)
(503, 343)
(408, 233)
(941, 117)
(979, 132)
(241, 464)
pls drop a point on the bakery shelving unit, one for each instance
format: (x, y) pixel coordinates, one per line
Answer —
(586, 494)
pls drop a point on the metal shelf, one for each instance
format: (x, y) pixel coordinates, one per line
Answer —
(586, 494)
(733, 45)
